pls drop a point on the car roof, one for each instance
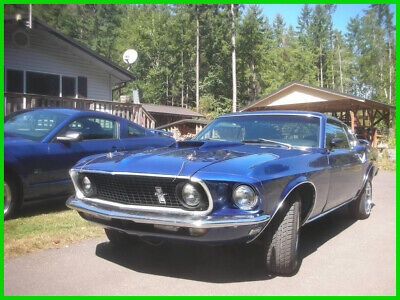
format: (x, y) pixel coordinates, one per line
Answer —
(78, 112)
(274, 112)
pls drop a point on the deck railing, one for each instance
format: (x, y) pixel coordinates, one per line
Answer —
(133, 112)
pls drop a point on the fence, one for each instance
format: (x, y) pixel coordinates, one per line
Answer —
(133, 112)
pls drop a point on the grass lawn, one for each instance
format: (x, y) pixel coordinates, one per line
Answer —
(49, 229)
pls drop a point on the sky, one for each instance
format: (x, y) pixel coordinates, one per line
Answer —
(341, 17)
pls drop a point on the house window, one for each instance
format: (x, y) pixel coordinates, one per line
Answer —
(42, 84)
(68, 86)
(15, 81)
(82, 87)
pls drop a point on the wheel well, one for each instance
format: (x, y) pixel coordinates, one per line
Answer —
(9, 171)
(307, 195)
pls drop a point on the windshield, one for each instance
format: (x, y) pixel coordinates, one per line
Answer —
(33, 125)
(293, 130)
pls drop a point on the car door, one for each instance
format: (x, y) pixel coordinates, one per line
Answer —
(98, 135)
(344, 164)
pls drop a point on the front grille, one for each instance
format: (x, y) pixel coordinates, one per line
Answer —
(136, 190)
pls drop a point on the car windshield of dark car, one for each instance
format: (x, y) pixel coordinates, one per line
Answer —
(33, 125)
(293, 130)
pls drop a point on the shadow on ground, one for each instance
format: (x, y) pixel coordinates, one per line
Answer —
(222, 264)
(35, 208)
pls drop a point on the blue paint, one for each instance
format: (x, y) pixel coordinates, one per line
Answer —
(42, 166)
(272, 170)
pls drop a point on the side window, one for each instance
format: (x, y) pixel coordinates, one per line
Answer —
(334, 130)
(135, 131)
(94, 128)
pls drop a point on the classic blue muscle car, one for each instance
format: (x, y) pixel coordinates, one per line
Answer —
(41, 145)
(246, 177)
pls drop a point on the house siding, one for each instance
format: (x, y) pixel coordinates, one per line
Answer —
(47, 54)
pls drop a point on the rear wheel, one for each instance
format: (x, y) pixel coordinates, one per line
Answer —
(119, 238)
(282, 239)
(362, 206)
(11, 197)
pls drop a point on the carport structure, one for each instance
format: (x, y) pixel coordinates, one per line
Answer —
(362, 115)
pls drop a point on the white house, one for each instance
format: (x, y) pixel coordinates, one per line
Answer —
(42, 60)
(44, 67)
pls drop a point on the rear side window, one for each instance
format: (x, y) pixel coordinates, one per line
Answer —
(335, 130)
(135, 131)
(94, 128)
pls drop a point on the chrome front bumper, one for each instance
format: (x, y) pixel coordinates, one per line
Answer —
(112, 212)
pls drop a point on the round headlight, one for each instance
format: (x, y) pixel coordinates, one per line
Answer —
(190, 195)
(245, 197)
(88, 188)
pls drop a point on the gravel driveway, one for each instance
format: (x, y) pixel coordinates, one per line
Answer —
(339, 257)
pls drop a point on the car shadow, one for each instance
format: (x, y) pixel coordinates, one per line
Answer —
(218, 264)
(35, 208)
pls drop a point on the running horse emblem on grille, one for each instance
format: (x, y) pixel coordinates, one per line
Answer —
(160, 195)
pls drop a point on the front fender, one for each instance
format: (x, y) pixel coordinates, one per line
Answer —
(12, 163)
(290, 186)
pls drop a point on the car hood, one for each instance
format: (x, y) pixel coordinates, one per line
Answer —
(187, 158)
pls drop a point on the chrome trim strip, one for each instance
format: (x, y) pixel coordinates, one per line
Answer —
(103, 212)
(329, 211)
(74, 175)
(281, 203)
(313, 204)
(129, 173)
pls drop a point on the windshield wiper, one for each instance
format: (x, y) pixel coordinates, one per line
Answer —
(261, 140)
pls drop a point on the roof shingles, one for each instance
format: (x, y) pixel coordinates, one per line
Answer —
(170, 110)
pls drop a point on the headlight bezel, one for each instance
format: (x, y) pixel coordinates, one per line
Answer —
(255, 199)
(203, 202)
(88, 194)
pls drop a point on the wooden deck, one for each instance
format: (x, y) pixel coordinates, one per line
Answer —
(133, 112)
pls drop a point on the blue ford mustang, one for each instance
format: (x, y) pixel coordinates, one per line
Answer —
(41, 145)
(246, 177)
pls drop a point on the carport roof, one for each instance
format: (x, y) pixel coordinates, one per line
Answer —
(330, 100)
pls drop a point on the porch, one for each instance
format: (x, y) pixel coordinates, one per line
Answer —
(133, 112)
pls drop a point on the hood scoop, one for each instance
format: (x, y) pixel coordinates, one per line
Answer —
(188, 144)
(206, 144)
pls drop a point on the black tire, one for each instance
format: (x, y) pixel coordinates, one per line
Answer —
(282, 237)
(360, 208)
(119, 238)
(12, 201)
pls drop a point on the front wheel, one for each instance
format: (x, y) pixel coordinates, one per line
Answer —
(362, 206)
(282, 239)
(11, 197)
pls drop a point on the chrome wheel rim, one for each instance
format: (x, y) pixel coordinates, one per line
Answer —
(368, 198)
(7, 197)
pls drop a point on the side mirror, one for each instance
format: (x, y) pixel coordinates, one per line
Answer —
(363, 142)
(335, 143)
(70, 136)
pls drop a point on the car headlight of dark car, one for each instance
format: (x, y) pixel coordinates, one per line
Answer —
(244, 197)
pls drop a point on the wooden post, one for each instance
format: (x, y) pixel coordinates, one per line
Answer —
(352, 120)
(374, 141)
